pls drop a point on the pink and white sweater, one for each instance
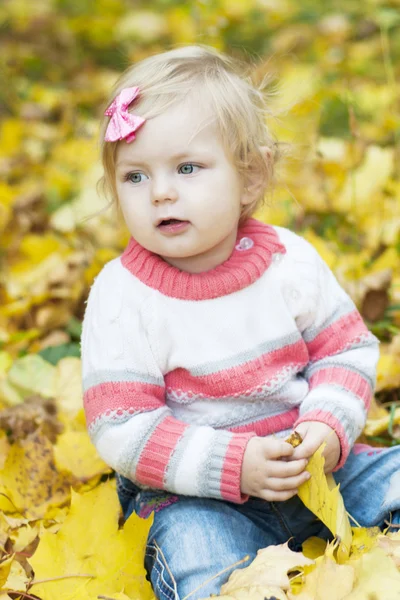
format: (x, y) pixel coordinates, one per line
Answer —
(180, 370)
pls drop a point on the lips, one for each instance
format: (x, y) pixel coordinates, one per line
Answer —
(172, 226)
(170, 221)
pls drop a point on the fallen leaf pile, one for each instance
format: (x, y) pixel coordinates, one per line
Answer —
(360, 564)
(334, 107)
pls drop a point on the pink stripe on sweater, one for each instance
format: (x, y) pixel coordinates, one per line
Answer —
(270, 425)
(232, 469)
(250, 376)
(328, 418)
(337, 337)
(155, 457)
(121, 396)
(349, 380)
(238, 271)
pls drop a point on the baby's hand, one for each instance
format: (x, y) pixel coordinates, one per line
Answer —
(266, 472)
(314, 434)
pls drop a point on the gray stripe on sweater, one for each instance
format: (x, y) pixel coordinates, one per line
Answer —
(123, 375)
(348, 417)
(209, 481)
(312, 332)
(132, 449)
(176, 458)
(209, 368)
(329, 363)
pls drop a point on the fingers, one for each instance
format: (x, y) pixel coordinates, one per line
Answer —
(287, 483)
(307, 448)
(286, 469)
(277, 449)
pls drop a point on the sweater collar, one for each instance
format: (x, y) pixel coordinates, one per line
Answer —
(255, 245)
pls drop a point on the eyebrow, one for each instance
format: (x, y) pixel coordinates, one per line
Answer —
(179, 156)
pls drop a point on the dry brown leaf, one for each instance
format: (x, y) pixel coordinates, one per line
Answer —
(35, 413)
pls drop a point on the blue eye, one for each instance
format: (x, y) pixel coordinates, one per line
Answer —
(188, 169)
(136, 177)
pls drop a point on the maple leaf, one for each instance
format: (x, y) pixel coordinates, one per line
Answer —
(390, 543)
(88, 557)
(75, 454)
(327, 580)
(321, 495)
(266, 576)
(376, 577)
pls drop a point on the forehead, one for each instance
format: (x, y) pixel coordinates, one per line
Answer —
(186, 126)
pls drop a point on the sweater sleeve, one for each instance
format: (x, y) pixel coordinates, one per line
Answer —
(343, 357)
(132, 428)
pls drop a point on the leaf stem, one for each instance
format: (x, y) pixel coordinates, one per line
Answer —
(58, 578)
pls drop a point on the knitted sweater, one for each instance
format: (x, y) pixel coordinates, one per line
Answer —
(180, 370)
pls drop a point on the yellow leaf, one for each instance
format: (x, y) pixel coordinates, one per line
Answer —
(254, 592)
(75, 454)
(388, 372)
(32, 374)
(327, 581)
(5, 566)
(314, 547)
(365, 182)
(9, 395)
(268, 570)
(363, 540)
(5, 362)
(36, 248)
(11, 135)
(7, 195)
(181, 24)
(145, 25)
(376, 577)
(30, 480)
(68, 392)
(377, 426)
(389, 259)
(376, 409)
(390, 543)
(104, 559)
(4, 532)
(321, 495)
(17, 578)
(23, 536)
(75, 154)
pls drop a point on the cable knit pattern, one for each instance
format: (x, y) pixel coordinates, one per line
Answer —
(180, 370)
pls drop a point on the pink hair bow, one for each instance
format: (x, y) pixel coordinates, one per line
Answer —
(123, 124)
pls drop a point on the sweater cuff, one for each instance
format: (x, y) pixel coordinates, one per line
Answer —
(232, 468)
(329, 419)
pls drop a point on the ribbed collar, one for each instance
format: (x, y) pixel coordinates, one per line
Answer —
(241, 269)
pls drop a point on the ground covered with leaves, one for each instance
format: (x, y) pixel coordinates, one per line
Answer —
(337, 94)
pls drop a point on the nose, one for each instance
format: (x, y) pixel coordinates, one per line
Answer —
(163, 190)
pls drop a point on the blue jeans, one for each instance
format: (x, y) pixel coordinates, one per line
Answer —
(197, 540)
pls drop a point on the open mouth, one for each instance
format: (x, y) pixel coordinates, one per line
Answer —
(172, 226)
(170, 222)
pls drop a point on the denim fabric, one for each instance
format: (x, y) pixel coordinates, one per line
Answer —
(194, 539)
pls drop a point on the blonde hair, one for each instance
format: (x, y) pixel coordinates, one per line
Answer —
(240, 109)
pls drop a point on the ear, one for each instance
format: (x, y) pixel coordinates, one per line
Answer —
(255, 179)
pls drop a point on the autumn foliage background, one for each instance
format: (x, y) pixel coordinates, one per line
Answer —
(336, 89)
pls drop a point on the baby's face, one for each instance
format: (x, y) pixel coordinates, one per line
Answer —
(179, 191)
